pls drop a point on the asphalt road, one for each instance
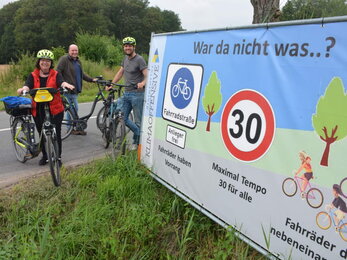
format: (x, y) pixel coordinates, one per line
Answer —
(77, 150)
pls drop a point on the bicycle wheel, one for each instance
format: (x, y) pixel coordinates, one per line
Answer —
(343, 231)
(118, 136)
(289, 187)
(100, 118)
(67, 124)
(20, 138)
(187, 93)
(104, 124)
(314, 198)
(175, 91)
(323, 220)
(343, 186)
(53, 158)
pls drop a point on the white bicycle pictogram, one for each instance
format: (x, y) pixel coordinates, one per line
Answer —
(182, 88)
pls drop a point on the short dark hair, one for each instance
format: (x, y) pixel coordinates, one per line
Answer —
(37, 65)
(337, 188)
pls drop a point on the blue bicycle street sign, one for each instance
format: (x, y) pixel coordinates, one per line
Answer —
(182, 88)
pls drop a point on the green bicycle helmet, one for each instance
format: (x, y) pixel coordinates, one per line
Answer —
(129, 40)
(45, 54)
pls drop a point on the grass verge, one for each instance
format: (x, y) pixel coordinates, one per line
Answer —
(109, 210)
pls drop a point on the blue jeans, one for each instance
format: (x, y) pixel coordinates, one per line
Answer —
(72, 100)
(133, 101)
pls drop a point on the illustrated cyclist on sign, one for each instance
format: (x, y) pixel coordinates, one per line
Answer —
(308, 174)
(338, 205)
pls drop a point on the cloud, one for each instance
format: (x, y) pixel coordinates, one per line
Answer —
(207, 14)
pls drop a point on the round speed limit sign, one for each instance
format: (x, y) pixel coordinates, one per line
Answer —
(247, 125)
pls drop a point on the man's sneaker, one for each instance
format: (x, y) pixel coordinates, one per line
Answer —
(133, 147)
(75, 132)
(43, 161)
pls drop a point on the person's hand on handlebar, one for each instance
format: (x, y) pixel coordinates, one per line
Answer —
(108, 87)
(24, 88)
(141, 85)
(67, 85)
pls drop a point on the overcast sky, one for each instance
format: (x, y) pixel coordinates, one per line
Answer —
(205, 14)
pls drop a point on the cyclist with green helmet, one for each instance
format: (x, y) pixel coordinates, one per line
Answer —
(45, 76)
(134, 70)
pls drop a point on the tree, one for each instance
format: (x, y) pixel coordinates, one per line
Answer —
(308, 9)
(8, 48)
(330, 120)
(30, 25)
(212, 98)
(265, 11)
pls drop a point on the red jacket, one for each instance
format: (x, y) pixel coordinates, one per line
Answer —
(56, 105)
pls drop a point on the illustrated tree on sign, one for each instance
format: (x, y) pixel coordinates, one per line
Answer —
(212, 98)
(330, 120)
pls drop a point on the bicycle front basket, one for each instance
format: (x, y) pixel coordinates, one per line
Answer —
(43, 95)
(17, 106)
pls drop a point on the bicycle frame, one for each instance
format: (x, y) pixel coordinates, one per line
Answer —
(299, 181)
(76, 120)
(314, 196)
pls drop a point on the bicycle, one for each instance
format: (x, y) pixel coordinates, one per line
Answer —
(100, 118)
(181, 87)
(23, 132)
(111, 121)
(325, 219)
(314, 196)
(71, 119)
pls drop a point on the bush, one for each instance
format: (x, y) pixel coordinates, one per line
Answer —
(99, 48)
(58, 52)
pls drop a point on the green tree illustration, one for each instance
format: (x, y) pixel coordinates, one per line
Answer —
(330, 120)
(212, 98)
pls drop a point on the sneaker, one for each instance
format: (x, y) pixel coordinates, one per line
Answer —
(43, 161)
(75, 132)
(133, 147)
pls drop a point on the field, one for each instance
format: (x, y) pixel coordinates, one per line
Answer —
(4, 68)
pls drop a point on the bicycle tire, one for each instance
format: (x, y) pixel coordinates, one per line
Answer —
(323, 220)
(343, 231)
(118, 137)
(104, 124)
(19, 131)
(99, 118)
(314, 198)
(66, 124)
(289, 187)
(343, 186)
(52, 150)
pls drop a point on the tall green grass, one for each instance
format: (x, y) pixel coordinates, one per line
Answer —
(109, 210)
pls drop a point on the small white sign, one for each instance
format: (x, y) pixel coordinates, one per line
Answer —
(176, 136)
(182, 92)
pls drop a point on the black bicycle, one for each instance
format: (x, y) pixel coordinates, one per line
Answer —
(71, 119)
(23, 132)
(111, 121)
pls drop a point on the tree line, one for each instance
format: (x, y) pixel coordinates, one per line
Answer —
(269, 10)
(30, 25)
